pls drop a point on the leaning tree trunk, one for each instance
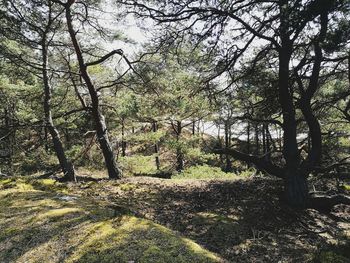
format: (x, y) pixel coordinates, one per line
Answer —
(66, 165)
(100, 125)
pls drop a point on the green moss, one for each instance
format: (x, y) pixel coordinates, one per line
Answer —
(135, 239)
(48, 182)
(346, 187)
(5, 181)
(127, 187)
(15, 183)
(55, 214)
(156, 254)
(27, 183)
(48, 185)
(42, 227)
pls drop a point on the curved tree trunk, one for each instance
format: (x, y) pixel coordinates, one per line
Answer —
(100, 124)
(66, 165)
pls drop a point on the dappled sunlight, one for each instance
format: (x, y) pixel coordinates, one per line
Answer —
(125, 221)
(133, 239)
(240, 220)
(48, 226)
(56, 213)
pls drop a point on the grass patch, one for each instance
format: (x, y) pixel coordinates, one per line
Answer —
(204, 172)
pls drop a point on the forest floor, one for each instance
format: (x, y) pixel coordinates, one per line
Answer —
(143, 219)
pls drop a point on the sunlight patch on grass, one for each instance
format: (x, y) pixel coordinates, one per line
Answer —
(42, 227)
(56, 213)
(133, 239)
(204, 172)
(15, 183)
(127, 187)
(346, 187)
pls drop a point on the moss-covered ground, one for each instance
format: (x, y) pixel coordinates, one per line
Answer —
(44, 221)
(158, 220)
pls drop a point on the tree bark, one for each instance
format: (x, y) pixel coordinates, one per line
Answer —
(65, 164)
(248, 138)
(100, 125)
(123, 139)
(179, 153)
(156, 146)
(296, 189)
(228, 166)
(295, 182)
(9, 131)
(257, 146)
(267, 142)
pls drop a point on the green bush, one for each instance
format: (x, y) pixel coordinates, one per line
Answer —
(38, 160)
(138, 165)
(196, 156)
(92, 158)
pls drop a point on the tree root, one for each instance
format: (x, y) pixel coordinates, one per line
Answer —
(325, 203)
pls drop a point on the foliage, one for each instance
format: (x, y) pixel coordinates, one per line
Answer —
(138, 165)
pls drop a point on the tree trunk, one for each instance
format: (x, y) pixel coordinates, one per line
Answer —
(179, 153)
(9, 142)
(100, 125)
(46, 140)
(295, 183)
(257, 145)
(65, 164)
(295, 189)
(264, 139)
(228, 166)
(156, 146)
(248, 138)
(123, 140)
(267, 142)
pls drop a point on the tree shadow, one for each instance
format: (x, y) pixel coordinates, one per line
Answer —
(242, 220)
